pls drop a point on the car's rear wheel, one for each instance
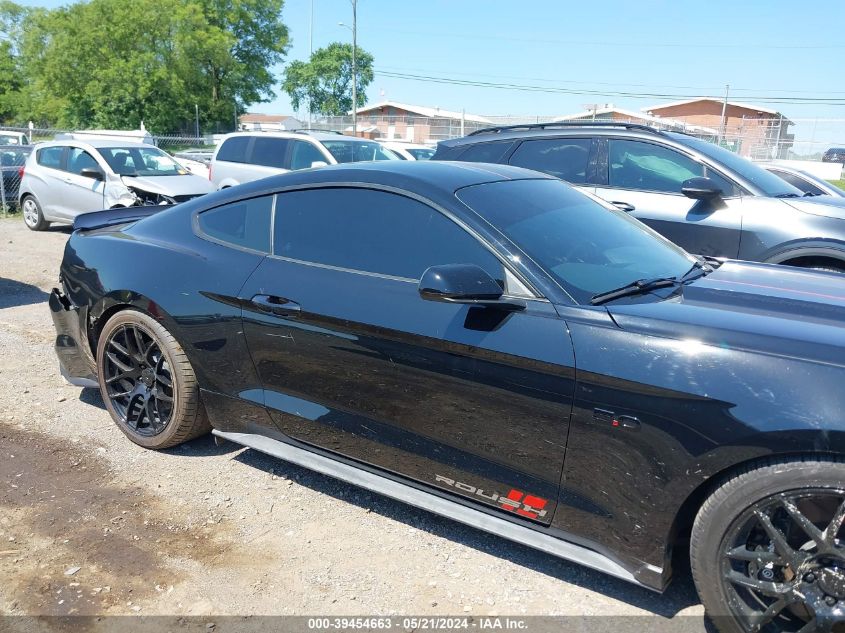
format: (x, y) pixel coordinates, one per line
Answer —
(32, 215)
(768, 549)
(147, 382)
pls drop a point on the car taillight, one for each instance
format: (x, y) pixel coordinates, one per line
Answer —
(20, 173)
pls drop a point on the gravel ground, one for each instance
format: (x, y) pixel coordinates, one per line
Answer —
(91, 524)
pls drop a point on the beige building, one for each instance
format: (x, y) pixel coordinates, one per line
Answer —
(750, 130)
(390, 120)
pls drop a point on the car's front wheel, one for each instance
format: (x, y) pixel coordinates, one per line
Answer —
(32, 215)
(768, 548)
(147, 382)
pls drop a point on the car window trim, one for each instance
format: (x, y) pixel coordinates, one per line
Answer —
(693, 157)
(413, 196)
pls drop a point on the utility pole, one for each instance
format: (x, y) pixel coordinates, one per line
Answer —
(354, 29)
(354, 67)
(722, 125)
(310, 55)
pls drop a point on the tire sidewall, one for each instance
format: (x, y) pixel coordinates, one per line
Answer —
(734, 498)
(156, 331)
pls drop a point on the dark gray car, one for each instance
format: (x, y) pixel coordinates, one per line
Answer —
(704, 198)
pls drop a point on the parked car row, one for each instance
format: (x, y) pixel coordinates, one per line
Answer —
(63, 179)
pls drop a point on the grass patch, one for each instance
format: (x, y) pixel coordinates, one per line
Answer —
(838, 183)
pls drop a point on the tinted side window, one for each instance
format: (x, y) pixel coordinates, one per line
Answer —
(486, 152)
(50, 157)
(797, 181)
(564, 158)
(373, 231)
(303, 154)
(270, 152)
(244, 223)
(79, 159)
(233, 149)
(650, 167)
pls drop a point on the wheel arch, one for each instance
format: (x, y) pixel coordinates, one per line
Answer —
(118, 301)
(823, 250)
(687, 511)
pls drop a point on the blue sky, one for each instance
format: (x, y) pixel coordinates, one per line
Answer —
(762, 48)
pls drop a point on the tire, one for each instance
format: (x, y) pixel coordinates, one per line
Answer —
(32, 214)
(732, 520)
(147, 382)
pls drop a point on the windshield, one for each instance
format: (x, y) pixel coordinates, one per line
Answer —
(587, 248)
(13, 157)
(10, 139)
(421, 154)
(141, 161)
(357, 151)
(767, 182)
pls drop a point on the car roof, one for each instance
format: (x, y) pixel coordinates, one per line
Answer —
(301, 134)
(96, 143)
(426, 178)
(25, 148)
(543, 130)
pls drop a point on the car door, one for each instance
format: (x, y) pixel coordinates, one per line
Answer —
(47, 181)
(82, 193)
(352, 359)
(647, 177)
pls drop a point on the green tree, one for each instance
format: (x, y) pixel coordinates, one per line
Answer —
(112, 63)
(12, 17)
(325, 81)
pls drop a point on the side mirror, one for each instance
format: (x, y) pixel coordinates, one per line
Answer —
(700, 189)
(465, 283)
(319, 163)
(92, 172)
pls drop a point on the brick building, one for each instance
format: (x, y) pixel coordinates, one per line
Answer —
(611, 113)
(750, 130)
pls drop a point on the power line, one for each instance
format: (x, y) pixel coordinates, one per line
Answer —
(701, 90)
(832, 101)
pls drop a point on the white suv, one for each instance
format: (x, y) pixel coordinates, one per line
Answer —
(245, 156)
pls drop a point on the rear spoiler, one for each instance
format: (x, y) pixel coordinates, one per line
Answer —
(111, 217)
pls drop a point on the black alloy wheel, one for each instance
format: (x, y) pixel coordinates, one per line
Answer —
(768, 549)
(147, 382)
(138, 379)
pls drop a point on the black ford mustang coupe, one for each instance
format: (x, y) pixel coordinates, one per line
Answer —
(491, 345)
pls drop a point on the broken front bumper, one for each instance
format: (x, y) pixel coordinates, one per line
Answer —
(75, 360)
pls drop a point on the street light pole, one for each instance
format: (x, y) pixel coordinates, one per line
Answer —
(197, 110)
(354, 29)
(354, 68)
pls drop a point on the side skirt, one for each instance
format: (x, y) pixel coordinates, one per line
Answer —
(431, 502)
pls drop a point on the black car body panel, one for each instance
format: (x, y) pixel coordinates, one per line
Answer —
(596, 425)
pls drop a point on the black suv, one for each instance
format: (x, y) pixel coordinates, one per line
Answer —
(834, 155)
(701, 196)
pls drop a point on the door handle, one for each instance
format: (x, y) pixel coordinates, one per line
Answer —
(278, 306)
(627, 207)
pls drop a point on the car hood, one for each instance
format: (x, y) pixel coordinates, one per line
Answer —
(186, 185)
(772, 309)
(827, 206)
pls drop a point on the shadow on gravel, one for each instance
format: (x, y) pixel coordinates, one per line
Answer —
(680, 595)
(14, 293)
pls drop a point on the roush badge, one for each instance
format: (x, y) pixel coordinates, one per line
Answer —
(516, 501)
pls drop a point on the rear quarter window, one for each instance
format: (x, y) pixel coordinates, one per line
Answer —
(245, 223)
(50, 157)
(233, 150)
